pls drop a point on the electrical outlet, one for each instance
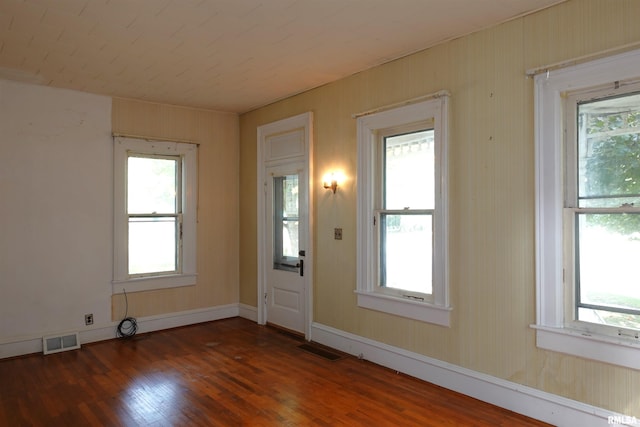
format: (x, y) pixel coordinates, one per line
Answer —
(337, 233)
(88, 319)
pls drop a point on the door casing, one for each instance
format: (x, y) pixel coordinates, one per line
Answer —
(270, 156)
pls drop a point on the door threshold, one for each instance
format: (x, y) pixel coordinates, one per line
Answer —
(299, 336)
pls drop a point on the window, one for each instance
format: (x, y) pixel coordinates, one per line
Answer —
(155, 214)
(402, 211)
(405, 212)
(588, 209)
(602, 206)
(285, 223)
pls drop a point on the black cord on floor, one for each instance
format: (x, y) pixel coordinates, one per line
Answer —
(127, 326)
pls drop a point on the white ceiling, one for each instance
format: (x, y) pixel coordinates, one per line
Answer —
(227, 55)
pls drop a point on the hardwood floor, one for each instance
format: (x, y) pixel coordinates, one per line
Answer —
(225, 373)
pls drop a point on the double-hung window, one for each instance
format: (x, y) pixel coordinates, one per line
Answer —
(588, 198)
(155, 184)
(402, 211)
(603, 206)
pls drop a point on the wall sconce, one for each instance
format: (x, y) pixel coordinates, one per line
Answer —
(331, 181)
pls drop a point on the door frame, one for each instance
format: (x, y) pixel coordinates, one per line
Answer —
(304, 122)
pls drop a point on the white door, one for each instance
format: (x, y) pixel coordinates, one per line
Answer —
(285, 295)
(284, 229)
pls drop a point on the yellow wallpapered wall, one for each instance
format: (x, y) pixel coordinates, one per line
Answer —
(492, 201)
(218, 226)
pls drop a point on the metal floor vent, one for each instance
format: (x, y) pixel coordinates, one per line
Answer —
(320, 351)
(58, 343)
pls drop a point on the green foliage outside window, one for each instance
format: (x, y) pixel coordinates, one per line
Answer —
(612, 167)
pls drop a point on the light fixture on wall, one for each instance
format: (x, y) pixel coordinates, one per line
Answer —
(331, 181)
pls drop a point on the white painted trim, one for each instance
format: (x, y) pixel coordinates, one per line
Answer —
(153, 138)
(529, 401)
(304, 121)
(248, 312)
(139, 284)
(32, 344)
(370, 295)
(604, 348)
(553, 324)
(402, 103)
(404, 307)
(188, 268)
(582, 59)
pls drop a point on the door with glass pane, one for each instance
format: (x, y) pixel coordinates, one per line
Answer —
(285, 296)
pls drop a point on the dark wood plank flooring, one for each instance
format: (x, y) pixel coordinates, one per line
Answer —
(226, 373)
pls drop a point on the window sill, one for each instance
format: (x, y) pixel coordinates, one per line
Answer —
(609, 349)
(151, 283)
(416, 310)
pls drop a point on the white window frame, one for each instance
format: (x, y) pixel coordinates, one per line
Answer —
(187, 274)
(555, 326)
(369, 294)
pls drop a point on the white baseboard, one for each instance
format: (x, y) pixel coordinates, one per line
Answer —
(103, 332)
(248, 312)
(534, 403)
(184, 318)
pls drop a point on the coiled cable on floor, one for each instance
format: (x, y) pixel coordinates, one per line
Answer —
(127, 326)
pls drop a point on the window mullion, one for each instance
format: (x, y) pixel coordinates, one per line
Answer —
(154, 215)
(405, 211)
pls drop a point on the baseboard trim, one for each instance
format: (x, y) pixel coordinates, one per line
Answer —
(248, 312)
(103, 332)
(184, 318)
(534, 403)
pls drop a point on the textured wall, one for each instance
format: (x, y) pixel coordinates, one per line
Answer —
(56, 211)
(492, 238)
(217, 136)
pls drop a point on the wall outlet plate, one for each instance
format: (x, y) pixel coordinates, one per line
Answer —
(88, 319)
(337, 233)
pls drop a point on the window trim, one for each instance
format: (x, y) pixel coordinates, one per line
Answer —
(552, 296)
(438, 310)
(122, 281)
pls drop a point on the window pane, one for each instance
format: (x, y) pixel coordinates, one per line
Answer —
(286, 243)
(152, 245)
(290, 238)
(609, 152)
(406, 252)
(152, 185)
(607, 271)
(409, 171)
(619, 320)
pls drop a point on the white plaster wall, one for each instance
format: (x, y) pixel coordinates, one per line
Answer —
(55, 210)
